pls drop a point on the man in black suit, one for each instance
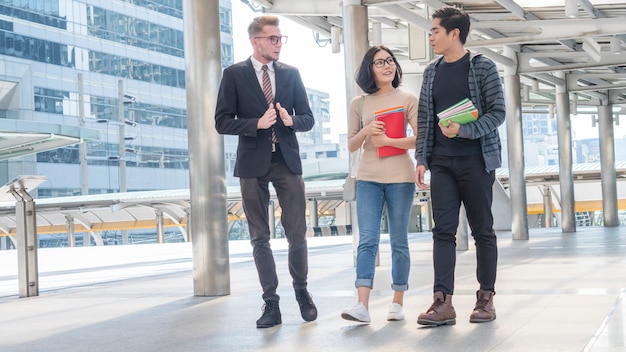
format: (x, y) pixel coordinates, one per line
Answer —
(264, 102)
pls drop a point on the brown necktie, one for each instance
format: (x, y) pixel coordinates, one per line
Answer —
(269, 96)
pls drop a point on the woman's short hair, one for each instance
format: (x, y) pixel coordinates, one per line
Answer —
(365, 74)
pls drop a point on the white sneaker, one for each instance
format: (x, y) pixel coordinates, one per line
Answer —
(357, 313)
(395, 312)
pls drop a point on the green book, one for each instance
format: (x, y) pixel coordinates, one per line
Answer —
(462, 105)
(461, 117)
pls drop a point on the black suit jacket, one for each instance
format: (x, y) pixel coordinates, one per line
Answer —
(241, 103)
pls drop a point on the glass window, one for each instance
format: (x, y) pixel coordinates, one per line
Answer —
(50, 100)
(225, 20)
(125, 67)
(169, 7)
(35, 49)
(44, 12)
(227, 55)
(136, 32)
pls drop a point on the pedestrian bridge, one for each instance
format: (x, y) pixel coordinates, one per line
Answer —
(170, 208)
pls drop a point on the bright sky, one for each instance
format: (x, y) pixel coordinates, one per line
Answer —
(582, 127)
(319, 67)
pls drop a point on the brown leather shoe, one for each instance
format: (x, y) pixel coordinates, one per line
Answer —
(484, 310)
(441, 312)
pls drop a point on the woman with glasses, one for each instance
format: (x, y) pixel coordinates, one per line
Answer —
(383, 179)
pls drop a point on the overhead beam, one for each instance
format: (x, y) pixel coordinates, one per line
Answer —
(264, 3)
(592, 48)
(407, 15)
(312, 8)
(499, 58)
(591, 10)
(548, 30)
(595, 13)
(607, 59)
(314, 24)
(512, 6)
(573, 79)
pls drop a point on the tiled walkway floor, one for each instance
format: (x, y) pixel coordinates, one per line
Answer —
(555, 292)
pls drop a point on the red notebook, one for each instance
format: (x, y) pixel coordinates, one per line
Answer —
(394, 128)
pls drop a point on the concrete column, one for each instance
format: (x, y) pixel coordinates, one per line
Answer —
(188, 222)
(423, 211)
(26, 236)
(355, 40)
(71, 241)
(207, 186)
(313, 219)
(121, 135)
(462, 231)
(82, 147)
(159, 226)
(515, 143)
(607, 166)
(415, 224)
(356, 43)
(547, 207)
(566, 174)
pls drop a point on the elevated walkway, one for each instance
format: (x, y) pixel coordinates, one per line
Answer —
(555, 292)
(138, 210)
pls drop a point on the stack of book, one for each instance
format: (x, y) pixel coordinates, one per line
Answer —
(394, 128)
(462, 112)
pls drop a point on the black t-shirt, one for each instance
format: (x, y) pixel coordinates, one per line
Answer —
(451, 86)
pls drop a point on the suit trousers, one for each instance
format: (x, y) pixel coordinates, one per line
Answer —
(255, 198)
(454, 180)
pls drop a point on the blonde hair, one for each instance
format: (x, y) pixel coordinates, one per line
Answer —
(258, 23)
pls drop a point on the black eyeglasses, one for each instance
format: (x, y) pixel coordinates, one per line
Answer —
(275, 39)
(381, 62)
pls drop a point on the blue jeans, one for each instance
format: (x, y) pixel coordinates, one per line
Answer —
(371, 198)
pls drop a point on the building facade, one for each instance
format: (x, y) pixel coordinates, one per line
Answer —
(124, 59)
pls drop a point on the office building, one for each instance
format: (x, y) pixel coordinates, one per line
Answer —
(125, 60)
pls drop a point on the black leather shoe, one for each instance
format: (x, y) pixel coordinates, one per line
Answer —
(271, 315)
(307, 307)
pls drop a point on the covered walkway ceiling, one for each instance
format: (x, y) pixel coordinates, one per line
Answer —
(589, 43)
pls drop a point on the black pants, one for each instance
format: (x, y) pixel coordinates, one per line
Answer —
(454, 180)
(290, 192)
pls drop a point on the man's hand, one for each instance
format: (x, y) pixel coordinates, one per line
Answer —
(284, 115)
(451, 131)
(268, 119)
(420, 170)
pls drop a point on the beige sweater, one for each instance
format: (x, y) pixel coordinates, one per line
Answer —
(391, 169)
